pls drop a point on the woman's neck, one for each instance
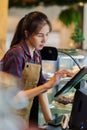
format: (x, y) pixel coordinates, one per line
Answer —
(31, 52)
(31, 49)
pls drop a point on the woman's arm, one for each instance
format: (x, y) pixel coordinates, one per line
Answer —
(42, 88)
(28, 94)
(44, 103)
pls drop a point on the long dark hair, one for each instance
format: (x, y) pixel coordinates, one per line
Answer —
(32, 22)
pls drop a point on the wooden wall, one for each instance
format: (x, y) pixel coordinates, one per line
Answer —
(3, 25)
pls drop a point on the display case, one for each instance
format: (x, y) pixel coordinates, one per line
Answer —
(64, 61)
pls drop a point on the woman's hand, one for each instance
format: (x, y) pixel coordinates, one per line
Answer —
(56, 78)
(51, 83)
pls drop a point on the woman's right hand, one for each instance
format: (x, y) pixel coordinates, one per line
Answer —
(56, 78)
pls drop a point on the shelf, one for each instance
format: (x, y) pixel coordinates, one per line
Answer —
(60, 108)
(74, 56)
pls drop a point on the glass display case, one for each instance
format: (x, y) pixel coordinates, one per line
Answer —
(63, 62)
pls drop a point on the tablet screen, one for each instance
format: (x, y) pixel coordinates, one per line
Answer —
(82, 74)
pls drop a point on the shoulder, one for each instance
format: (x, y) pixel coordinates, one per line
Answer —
(16, 51)
(14, 54)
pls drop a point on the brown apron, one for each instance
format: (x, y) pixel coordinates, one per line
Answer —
(30, 77)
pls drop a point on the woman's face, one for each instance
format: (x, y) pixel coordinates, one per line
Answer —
(37, 40)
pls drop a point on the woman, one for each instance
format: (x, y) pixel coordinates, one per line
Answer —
(23, 60)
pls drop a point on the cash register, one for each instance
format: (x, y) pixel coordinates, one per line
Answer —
(78, 116)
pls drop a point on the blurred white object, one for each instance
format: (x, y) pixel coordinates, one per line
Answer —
(65, 121)
(12, 122)
(10, 86)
